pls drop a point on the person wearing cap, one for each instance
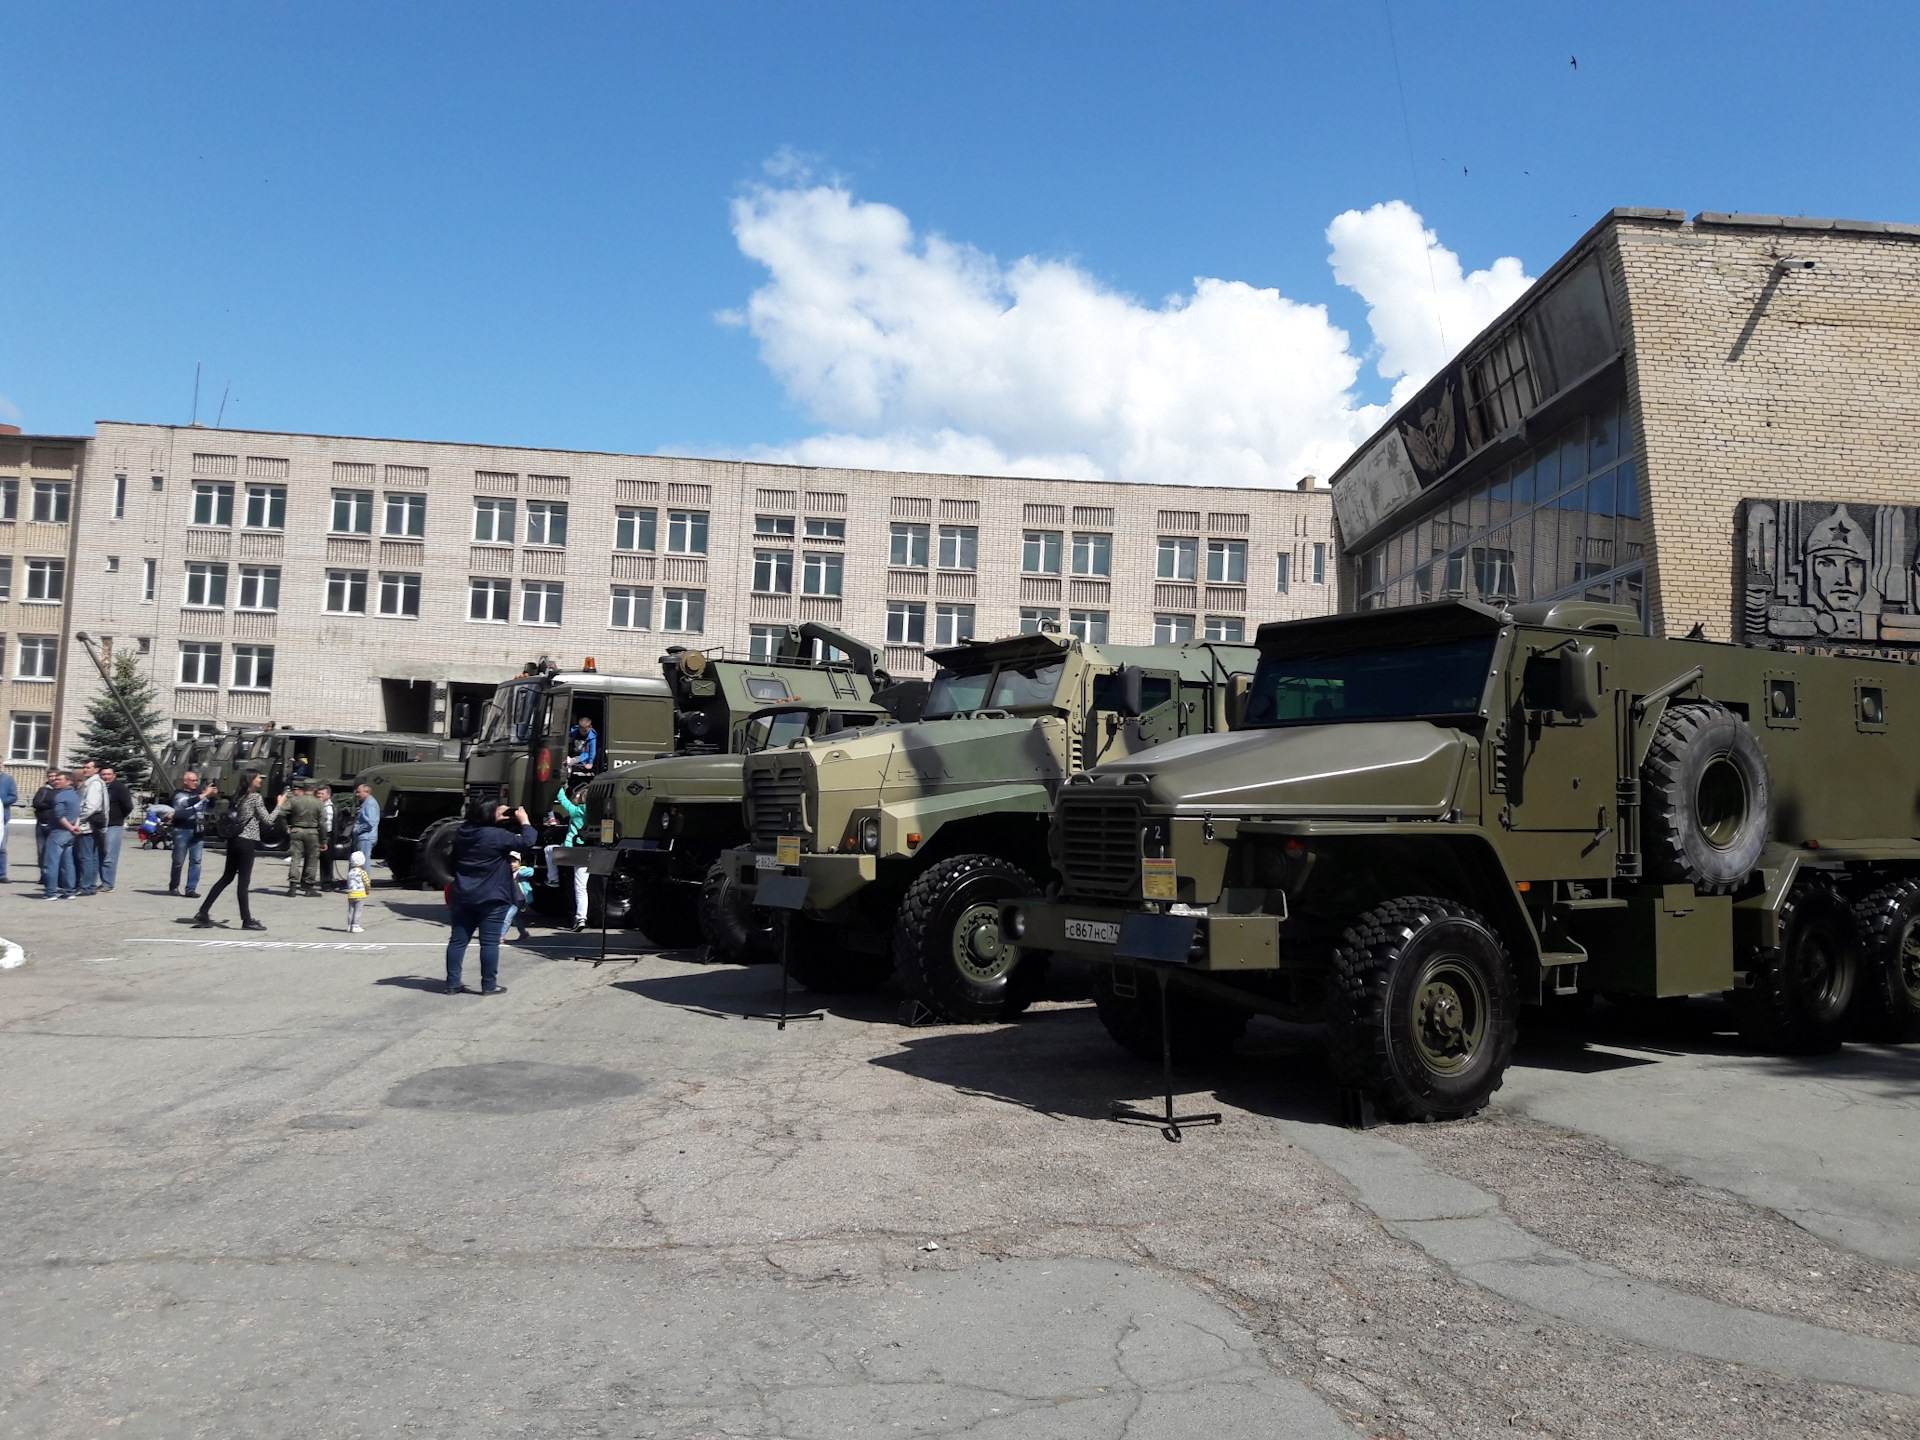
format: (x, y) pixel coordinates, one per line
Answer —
(303, 814)
(359, 885)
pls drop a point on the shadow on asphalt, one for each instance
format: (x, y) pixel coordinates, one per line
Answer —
(435, 983)
(730, 991)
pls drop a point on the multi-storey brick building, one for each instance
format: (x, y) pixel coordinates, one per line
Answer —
(389, 584)
(40, 480)
(1715, 420)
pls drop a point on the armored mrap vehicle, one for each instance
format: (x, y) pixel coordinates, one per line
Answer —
(1434, 815)
(670, 818)
(911, 834)
(519, 756)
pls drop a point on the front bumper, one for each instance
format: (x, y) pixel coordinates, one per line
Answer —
(835, 877)
(1092, 932)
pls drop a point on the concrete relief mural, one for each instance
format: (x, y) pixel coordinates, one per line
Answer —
(1817, 570)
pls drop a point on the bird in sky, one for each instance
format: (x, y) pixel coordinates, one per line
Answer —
(1574, 61)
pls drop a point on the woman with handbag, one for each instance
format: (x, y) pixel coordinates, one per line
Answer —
(240, 827)
(484, 888)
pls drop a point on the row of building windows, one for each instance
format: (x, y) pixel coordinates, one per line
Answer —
(35, 657)
(200, 666)
(52, 500)
(46, 581)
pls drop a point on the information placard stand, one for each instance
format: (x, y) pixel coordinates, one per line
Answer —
(785, 893)
(600, 866)
(1161, 941)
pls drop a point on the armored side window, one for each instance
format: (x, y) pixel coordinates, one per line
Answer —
(1540, 683)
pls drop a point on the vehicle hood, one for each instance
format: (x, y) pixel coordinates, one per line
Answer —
(414, 775)
(1394, 768)
(894, 762)
(674, 776)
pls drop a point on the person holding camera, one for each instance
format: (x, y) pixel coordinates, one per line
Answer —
(189, 845)
(484, 888)
(241, 830)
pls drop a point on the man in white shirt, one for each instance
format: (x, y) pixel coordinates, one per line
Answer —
(93, 824)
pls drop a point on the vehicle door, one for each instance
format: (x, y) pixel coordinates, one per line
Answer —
(1557, 768)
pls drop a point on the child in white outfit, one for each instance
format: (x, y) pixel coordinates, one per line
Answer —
(358, 885)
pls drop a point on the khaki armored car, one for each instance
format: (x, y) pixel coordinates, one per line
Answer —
(670, 818)
(911, 835)
(1434, 815)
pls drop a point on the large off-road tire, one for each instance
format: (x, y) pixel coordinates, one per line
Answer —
(736, 932)
(819, 958)
(1422, 1012)
(948, 947)
(433, 854)
(1798, 993)
(1705, 791)
(1886, 1002)
(1200, 1031)
(667, 914)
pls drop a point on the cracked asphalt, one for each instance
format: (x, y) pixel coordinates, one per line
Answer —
(275, 1185)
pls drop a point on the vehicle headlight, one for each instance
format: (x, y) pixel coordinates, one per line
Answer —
(1014, 922)
(870, 835)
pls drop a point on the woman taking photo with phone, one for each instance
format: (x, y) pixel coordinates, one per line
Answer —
(240, 827)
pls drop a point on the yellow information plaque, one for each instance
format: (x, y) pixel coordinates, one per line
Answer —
(786, 850)
(1157, 880)
(606, 832)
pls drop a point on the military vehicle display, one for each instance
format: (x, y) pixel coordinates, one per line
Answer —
(671, 818)
(519, 757)
(911, 835)
(335, 757)
(1433, 815)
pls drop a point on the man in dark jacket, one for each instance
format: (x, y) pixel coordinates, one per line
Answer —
(191, 806)
(42, 819)
(119, 806)
(484, 889)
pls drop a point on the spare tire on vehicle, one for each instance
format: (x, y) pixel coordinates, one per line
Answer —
(1706, 798)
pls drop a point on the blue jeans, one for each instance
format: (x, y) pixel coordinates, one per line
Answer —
(488, 922)
(111, 840)
(188, 847)
(86, 851)
(56, 863)
(6, 818)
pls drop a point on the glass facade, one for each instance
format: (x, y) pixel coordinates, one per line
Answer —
(1563, 520)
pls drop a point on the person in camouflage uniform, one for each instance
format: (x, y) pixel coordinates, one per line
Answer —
(304, 841)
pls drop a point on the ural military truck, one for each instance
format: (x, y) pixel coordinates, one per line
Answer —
(670, 818)
(1434, 815)
(519, 757)
(335, 757)
(911, 835)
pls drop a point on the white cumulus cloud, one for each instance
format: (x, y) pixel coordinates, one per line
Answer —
(921, 353)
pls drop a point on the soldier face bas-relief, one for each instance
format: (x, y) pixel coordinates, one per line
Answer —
(1820, 570)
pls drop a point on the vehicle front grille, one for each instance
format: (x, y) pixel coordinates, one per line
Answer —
(484, 792)
(776, 801)
(1099, 838)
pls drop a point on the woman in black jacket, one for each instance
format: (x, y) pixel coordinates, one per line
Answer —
(251, 812)
(484, 889)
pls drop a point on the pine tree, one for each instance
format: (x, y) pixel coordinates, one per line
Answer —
(110, 739)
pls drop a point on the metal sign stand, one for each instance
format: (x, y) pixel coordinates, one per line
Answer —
(600, 866)
(785, 893)
(1161, 941)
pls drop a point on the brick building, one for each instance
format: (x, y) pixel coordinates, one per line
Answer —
(40, 482)
(389, 584)
(1715, 420)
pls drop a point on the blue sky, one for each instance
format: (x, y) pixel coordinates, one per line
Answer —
(519, 224)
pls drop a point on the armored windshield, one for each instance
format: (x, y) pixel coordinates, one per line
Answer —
(775, 731)
(953, 693)
(510, 717)
(1408, 683)
(1027, 685)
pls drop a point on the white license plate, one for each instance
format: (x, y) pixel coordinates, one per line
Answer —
(766, 862)
(1097, 931)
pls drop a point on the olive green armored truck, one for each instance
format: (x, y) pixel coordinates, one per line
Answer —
(669, 819)
(519, 757)
(1434, 815)
(911, 835)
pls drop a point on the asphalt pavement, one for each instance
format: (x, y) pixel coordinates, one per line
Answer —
(275, 1183)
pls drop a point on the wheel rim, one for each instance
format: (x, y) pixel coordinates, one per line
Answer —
(1825, 976)
(1720, 802)
(1908, 960)
(980, 952)
(1449, 1015)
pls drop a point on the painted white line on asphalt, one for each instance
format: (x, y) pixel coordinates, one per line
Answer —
(11, 954)
(256, 944)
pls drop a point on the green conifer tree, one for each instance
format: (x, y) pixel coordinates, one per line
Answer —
(110, 737)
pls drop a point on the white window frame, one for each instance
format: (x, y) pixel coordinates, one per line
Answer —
(394, 586)
(906, 622)
(206, 665)
(264, 583)
(410, 510)
(345, 582)
(499, 603)
(1319, 562)
(773, 572)
(1040, 552)
(37, 726)
(1282, 571)
(687, 534)
(149, 579)
(1083, 625)
(959, 547)
(1176, 559)
(499, 513)
(214, 499)
(764, 641)
(45, 650)
(630, 607)
(252, 668)
(633, 524)
(1216, 629)
(1173, 629)
(819, 529)
(358, 512)
(270, 502)
(773, 527)
(1039, 620)
(907, 546)
(542, 603)
(683, 612)
(209, 579)
(822, 572)
(547, 523)
(1093, 553)
(48, 576)
(952, 624)
(1226, 562)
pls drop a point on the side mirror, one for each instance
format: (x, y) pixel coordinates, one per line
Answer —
(1132, 679)
(1579, 682)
